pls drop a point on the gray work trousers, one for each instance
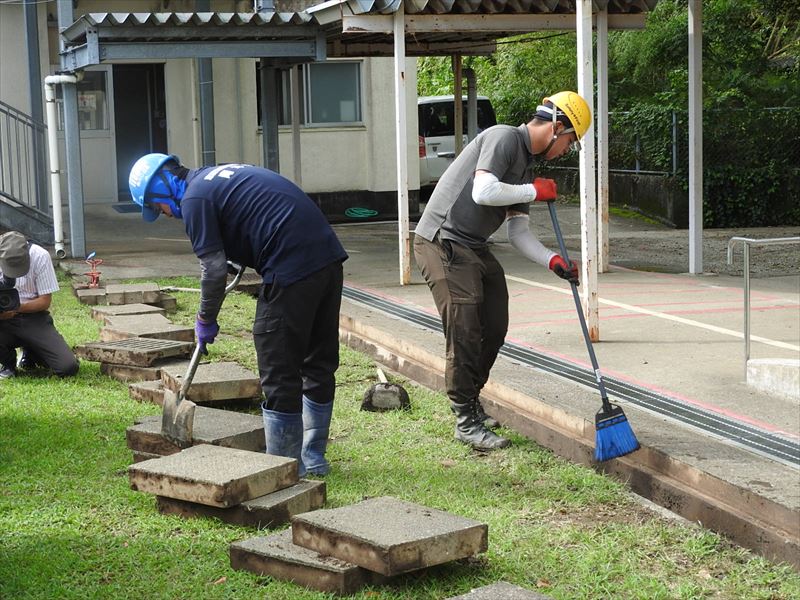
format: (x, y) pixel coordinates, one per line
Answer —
(470, 292)
(37, 334)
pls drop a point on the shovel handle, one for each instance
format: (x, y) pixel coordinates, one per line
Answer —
(239, 270)
(195, 360)
(190, 371)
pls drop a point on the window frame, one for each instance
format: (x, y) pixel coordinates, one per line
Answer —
(308, 92)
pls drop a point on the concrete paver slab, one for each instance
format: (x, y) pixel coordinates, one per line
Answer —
(501, 591)
(214, 382)
(131, 293)
(272, 510)
(101, 313)
(151, 326)
(129, 374)
(278, 557)
(91, 296)
(147, 391)
(213, 475)
(136, 352)
(390, 536)
(211, 426)
(142, 456)
(166, 301)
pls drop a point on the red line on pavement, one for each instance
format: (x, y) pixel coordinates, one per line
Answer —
(664, 392)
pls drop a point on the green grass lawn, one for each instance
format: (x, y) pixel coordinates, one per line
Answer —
(70, 526)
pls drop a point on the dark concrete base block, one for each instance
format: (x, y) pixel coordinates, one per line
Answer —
(277, 557)
(272, 510)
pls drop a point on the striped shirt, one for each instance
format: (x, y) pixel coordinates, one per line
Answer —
(41, 277)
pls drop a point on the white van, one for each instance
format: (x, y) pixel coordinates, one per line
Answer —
(436, 133)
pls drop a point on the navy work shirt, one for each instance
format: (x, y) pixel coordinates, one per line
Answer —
(260, 220)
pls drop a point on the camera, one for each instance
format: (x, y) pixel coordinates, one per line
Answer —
(9, 296)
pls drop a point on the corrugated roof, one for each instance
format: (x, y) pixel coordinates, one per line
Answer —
(442, 7)
(335, 27)
(363, 27)
(208, 24)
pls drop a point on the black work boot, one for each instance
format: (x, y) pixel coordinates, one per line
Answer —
(488, 422)
(28, 361)
(471, 431)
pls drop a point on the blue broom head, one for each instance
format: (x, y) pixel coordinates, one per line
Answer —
(614, 436)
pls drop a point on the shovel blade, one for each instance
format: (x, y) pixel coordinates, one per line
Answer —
(177, 420)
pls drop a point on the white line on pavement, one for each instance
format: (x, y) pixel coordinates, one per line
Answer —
(660, 315)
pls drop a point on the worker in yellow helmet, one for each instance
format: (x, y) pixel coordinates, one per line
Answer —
(491, 182)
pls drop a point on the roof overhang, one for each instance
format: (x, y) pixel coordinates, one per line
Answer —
(333, 28)
(442, 27)
(105, 37)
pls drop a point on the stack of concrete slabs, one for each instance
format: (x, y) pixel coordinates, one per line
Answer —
(277, 556)
(213, 475)
(271, 510)
(390, 536)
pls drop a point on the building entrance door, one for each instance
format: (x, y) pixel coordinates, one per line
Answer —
(141, 117)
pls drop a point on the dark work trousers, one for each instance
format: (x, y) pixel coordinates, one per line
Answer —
(296, 334)
(36, 333)
(469, 288)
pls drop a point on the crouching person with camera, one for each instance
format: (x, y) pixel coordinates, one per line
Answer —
(27, 282)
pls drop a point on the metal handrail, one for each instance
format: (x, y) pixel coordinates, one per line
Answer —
(22, 159)
(747, 242)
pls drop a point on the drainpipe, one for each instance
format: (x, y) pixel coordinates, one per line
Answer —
(52, 144)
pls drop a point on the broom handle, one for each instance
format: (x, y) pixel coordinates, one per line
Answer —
(606, 405)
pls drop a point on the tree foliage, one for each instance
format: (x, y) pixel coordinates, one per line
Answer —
(751, 62)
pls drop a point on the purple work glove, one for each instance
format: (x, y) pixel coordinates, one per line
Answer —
(205, 331)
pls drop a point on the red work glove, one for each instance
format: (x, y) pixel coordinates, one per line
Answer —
(569, 272)
(545, 189)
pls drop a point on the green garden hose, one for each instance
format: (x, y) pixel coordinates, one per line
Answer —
(357, 212)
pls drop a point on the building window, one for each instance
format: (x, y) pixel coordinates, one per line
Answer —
(330, 94)
(334, 93)
(92, 102)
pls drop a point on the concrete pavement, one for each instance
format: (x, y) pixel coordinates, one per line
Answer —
(671, 344)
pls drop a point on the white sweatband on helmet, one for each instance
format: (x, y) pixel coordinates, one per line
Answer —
(520, 236)
(487, 190)
(546, 112)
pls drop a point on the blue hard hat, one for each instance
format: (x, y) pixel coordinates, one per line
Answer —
(140, 178)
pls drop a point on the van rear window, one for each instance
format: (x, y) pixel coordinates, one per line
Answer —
(436, 118)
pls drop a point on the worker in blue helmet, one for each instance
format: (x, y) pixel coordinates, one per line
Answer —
(256, 218)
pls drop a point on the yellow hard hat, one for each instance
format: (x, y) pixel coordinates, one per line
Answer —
(574, 108)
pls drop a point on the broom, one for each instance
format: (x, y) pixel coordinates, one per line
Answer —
(614, 436)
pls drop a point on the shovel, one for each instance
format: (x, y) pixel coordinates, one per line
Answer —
(177, 419)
